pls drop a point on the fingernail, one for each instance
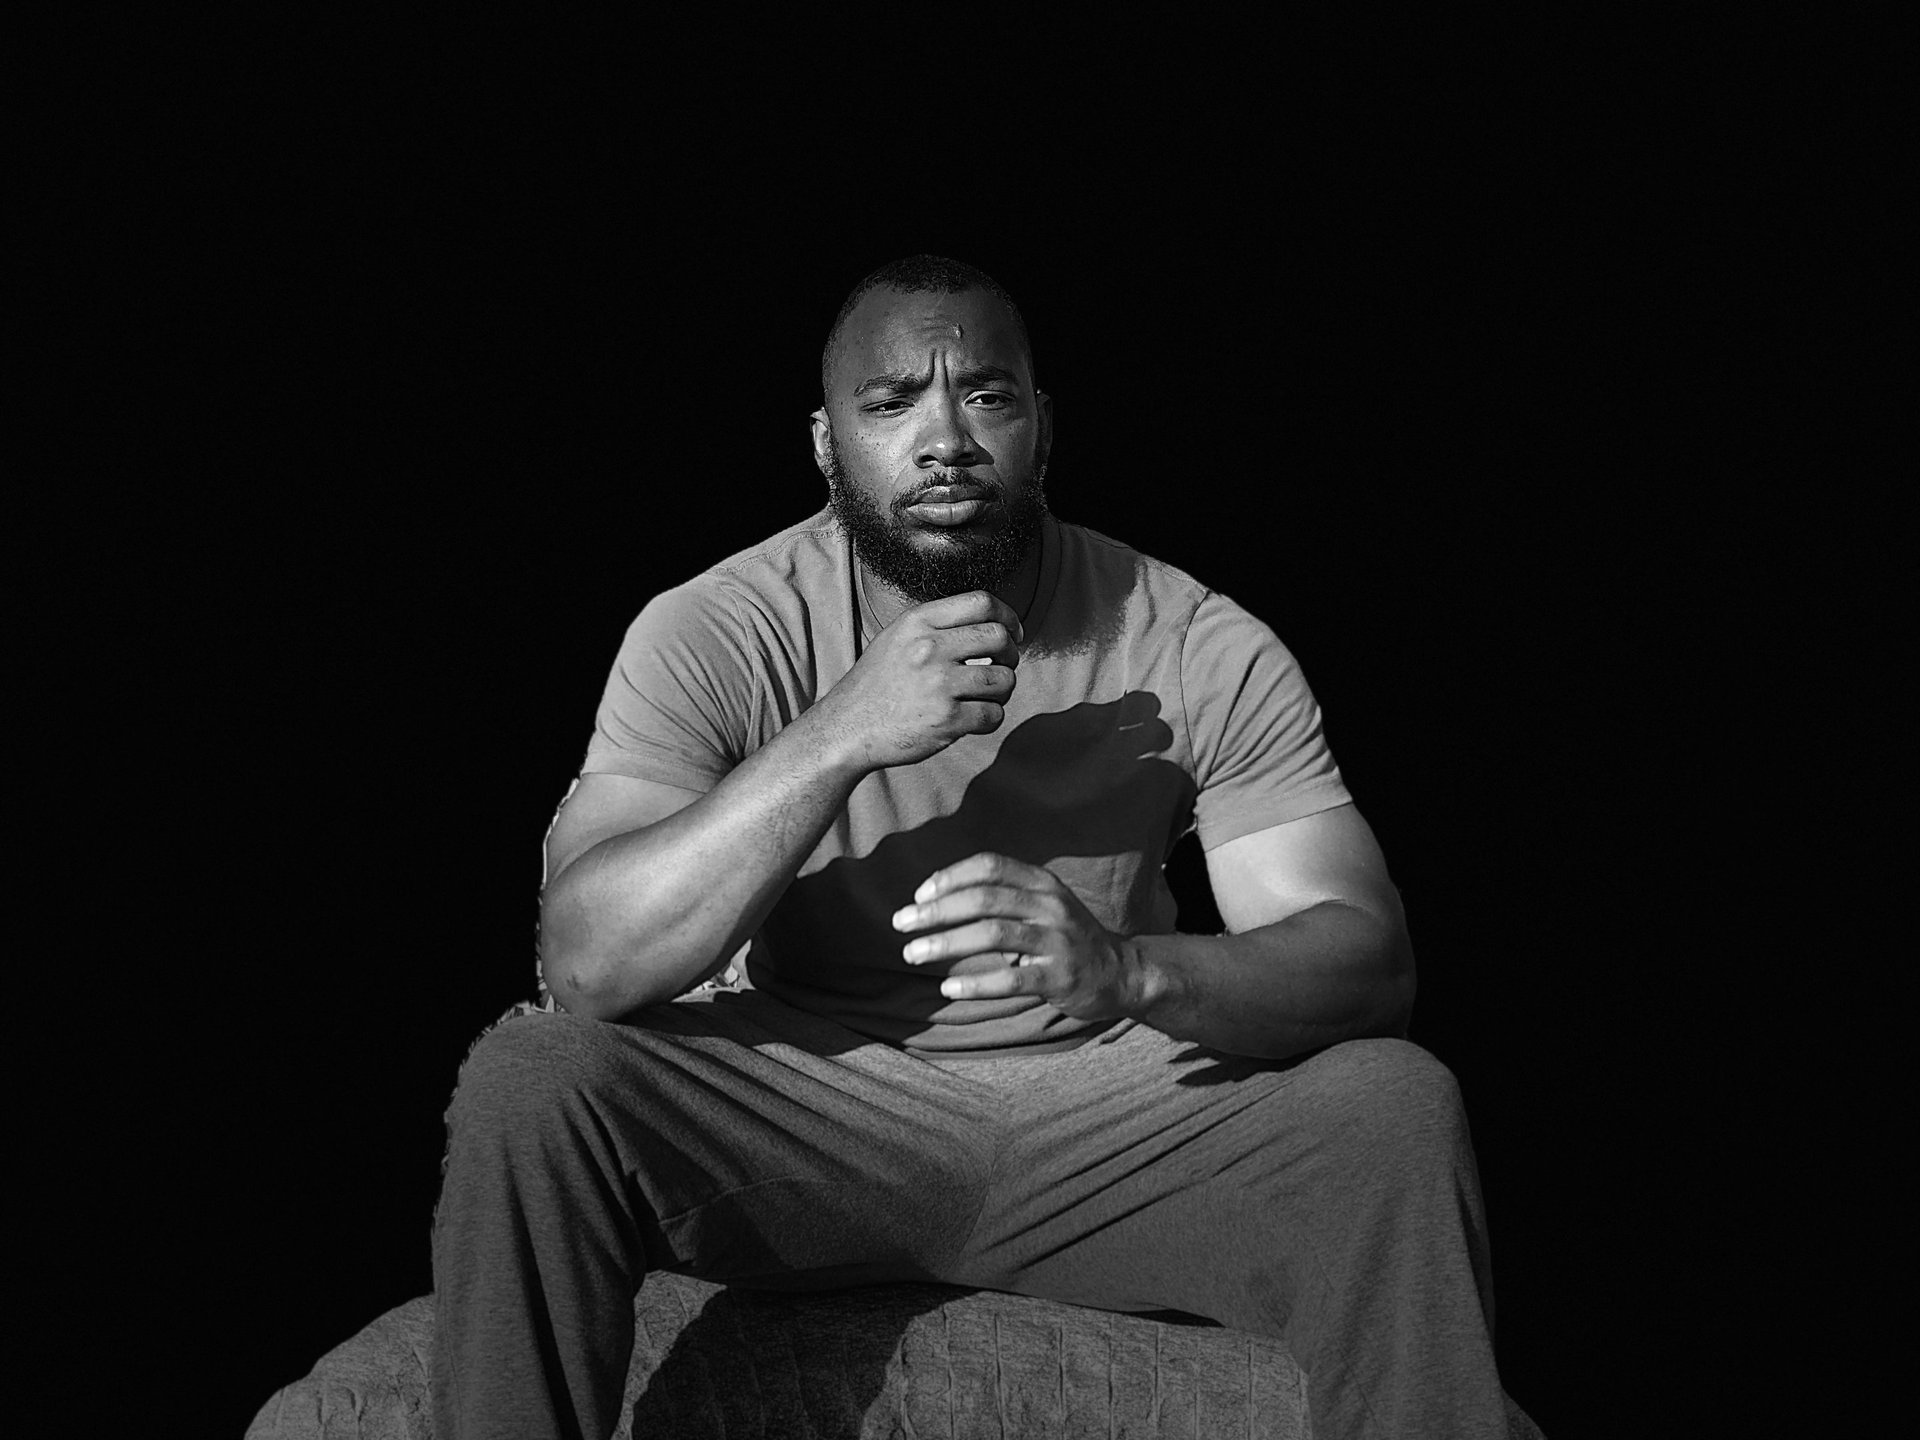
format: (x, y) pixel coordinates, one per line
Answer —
(951, 989)
(917, 951)
(924, 893)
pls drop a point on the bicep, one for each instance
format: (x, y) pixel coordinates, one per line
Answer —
(1264, 877)
(603, 806)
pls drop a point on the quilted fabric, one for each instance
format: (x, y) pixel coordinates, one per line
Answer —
(921, 1362)
(373, 1387)
(935, 1363)
(904, 1362)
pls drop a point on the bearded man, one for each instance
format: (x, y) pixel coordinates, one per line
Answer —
(926, 754)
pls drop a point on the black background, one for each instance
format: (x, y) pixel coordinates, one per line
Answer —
(1498, 372)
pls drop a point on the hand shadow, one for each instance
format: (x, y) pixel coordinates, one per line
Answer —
(1088, 782)
(1215, 1067)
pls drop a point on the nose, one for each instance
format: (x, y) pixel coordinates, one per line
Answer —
(946, 439)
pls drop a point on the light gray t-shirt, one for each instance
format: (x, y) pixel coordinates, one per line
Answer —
(1146, 705)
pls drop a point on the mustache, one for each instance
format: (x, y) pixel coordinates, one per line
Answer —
(989, 487)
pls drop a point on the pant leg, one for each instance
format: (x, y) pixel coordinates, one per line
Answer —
(735, 1139)
(1332, 1202)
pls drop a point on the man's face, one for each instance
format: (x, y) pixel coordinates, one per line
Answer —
(933, 441)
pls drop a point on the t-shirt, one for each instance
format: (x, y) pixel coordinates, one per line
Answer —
(1145, 705)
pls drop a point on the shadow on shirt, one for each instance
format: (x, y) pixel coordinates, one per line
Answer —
(1086, 786)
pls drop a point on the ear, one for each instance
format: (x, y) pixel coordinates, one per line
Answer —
(1044, 446)
(822, 438)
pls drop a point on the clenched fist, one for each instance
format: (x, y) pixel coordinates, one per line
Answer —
(914, 693)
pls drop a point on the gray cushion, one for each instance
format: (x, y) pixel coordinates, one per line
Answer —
(920, 1361)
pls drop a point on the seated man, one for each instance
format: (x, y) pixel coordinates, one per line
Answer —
(928, 752)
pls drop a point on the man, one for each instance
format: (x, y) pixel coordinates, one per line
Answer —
(928, 752)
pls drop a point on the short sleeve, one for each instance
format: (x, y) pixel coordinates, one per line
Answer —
(1260, 758)
(679, 701)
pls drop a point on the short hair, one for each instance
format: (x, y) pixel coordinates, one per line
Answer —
(920, 275)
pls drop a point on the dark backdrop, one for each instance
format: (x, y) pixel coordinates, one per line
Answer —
(1468, 376)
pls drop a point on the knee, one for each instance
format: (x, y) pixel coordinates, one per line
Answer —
(1397, 1095)
(524, 1071)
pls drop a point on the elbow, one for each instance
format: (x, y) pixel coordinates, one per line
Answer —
(1376, 954)
(602, 972)
(1398, 986)
(1397, 1010)
(578, 973)
(593, 987)
(569, 978)
(1383, 976)
(573, 990)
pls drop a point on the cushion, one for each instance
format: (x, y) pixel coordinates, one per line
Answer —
(931, 1362)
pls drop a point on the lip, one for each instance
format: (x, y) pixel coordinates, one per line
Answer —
(945, 514)
(951, 494)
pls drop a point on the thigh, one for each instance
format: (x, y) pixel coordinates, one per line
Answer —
(760, 1144)
(1154, 1174)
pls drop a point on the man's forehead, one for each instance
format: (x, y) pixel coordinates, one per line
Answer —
(893, 330)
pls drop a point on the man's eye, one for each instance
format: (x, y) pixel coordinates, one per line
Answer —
(887, 407)
(988, 400)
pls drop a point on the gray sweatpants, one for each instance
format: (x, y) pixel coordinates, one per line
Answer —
(1330, 1201)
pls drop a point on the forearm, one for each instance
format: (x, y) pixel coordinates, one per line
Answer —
(644, 916)
(1331, 972)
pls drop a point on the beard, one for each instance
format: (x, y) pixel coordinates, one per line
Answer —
(946, 562)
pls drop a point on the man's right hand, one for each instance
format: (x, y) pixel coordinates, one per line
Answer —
(913, 693)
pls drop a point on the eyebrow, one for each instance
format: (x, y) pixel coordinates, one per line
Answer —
(902, 383)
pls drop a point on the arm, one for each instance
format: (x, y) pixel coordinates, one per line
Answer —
(651, 888)
(1316, 950)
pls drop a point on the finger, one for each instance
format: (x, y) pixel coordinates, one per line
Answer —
(973, 903)
(989, 640)
(1028, 979)
(980, 717)
(982, 937)
(986, 868)
(986, 682)
(972, 608)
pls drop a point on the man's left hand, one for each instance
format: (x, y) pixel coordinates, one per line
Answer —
(998, 906)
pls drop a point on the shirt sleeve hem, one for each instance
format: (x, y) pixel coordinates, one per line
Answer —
(635, 768)
(1217, 830)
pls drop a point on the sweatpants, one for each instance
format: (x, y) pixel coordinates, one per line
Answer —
(1330, 1201)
